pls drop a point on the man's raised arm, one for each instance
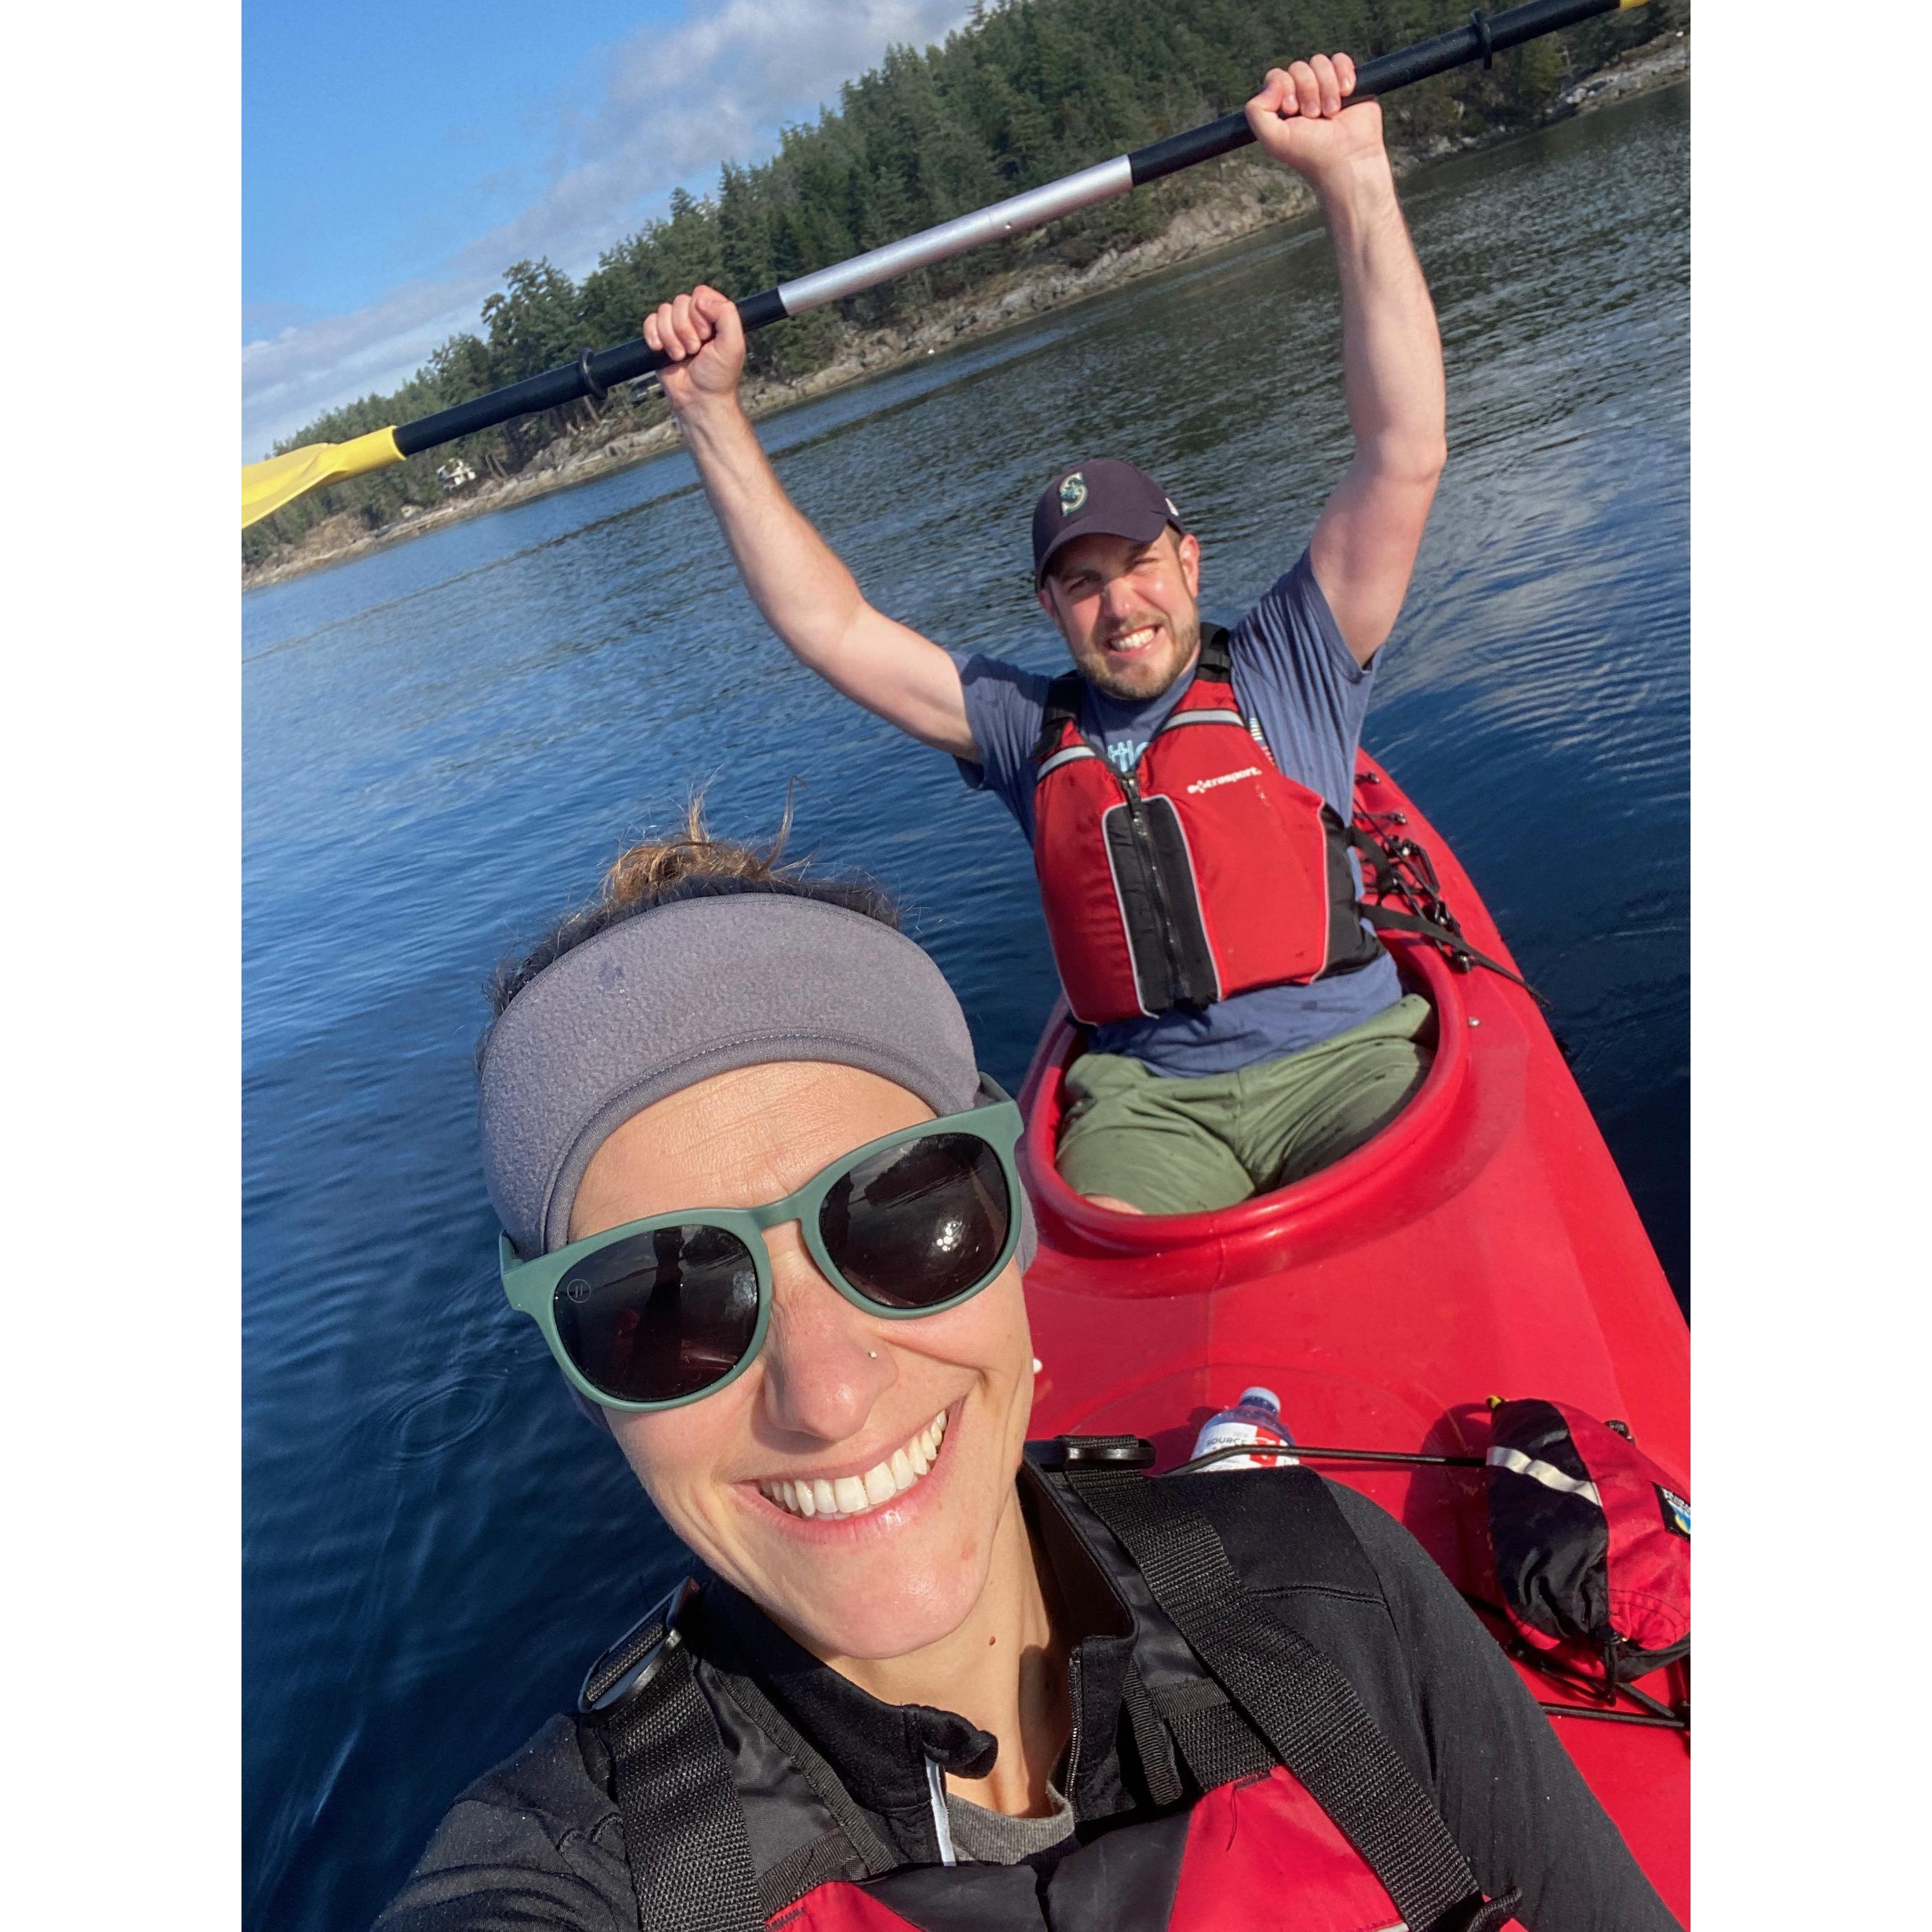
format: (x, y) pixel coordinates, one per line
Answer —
(807, 596)
(1364, 544)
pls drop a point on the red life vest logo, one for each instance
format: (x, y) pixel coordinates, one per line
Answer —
(1226, 778)
(1676, 1511)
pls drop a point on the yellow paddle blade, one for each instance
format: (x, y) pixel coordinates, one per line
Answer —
(266, 487)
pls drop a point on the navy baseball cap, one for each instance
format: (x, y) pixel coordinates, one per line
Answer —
(1102, 497)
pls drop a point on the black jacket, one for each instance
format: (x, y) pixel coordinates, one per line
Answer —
(538, 1842)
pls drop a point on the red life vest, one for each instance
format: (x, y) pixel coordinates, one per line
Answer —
(1258, 1839)
(1206, 872)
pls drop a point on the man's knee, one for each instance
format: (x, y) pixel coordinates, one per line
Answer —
(1383, 1077)
(1168, 1167)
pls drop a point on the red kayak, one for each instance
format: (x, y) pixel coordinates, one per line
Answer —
(1481, 1245)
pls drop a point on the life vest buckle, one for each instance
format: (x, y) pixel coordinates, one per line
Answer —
(637, 1656)
(1095, 1452)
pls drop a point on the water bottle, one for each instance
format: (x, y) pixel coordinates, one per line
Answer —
(1255, 1418)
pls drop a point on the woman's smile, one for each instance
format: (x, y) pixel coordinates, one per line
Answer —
(838, 1497)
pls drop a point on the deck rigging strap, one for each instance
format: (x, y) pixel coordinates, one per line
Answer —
(1384, 920)
(1300, 1701)
(1400, 868)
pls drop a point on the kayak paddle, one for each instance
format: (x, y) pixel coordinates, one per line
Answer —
(267, 485)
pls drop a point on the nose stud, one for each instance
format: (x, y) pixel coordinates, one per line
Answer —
(872, 1354)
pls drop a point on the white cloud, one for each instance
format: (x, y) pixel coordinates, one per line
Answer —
(718, 87)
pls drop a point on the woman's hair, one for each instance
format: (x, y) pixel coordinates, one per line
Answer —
(690, 864)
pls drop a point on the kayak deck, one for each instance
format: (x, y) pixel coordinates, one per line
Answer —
(1482, 1243)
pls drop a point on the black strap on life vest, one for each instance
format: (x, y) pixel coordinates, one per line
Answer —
(1067, 693)
(1297, 1697)
(673, 1782)
(1063, 708)
(1216, 661)
(685, 1839)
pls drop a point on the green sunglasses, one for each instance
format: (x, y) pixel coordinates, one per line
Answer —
(669, 1309)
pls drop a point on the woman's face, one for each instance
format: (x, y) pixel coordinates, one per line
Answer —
(835, 1394)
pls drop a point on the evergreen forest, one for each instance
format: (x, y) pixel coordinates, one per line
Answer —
(1027, 91)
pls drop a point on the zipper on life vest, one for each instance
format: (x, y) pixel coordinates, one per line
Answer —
(1170, 940)
(942, 1818)
(1073, 1706)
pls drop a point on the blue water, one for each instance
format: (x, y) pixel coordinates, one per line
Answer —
(445, 741)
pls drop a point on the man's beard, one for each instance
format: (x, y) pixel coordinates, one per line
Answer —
(1137, 683)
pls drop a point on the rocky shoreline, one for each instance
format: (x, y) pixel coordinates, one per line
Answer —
(1251, 197)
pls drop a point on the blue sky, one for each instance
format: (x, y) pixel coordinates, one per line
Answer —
(396, 159)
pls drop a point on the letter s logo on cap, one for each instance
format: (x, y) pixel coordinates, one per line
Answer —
(1072, 493)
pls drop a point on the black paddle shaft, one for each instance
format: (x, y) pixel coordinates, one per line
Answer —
(593, 373)
(1483, 36)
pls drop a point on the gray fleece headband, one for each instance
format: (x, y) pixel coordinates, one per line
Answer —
(672, 996)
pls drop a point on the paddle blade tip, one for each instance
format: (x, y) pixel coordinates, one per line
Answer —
(279, 480)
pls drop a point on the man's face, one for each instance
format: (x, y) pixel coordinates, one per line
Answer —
(1127, 611)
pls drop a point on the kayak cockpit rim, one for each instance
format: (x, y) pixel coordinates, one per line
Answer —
(1339, 1188)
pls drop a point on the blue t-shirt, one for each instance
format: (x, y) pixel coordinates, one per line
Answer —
(1292, 672)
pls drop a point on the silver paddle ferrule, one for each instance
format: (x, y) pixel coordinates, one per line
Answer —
(1105, 181)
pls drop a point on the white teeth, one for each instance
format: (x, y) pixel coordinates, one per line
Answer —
(854, 1495)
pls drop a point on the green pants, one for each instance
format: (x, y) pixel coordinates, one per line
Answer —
(1180, 1146)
